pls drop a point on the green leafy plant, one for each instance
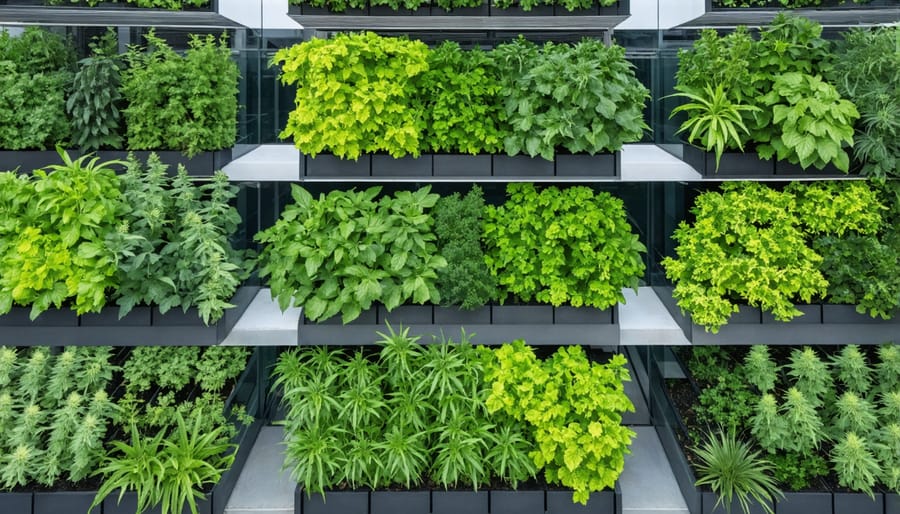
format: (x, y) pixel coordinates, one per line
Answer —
(854, 464)
(713, 120)
(583, 98)
(346, 250)
(355, 94)
(573, 409)
(761, 371)
(853, 369)
(562, 246)
(811, 375)
(186, 103)
(94, 101)
(466, 281)
(813, 122)
(462, 102)
(735, 472)
(219, 364)
(854, 414)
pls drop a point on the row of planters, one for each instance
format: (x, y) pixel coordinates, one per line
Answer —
(95, 429)
(806, 261)
(172, 5)
(727, 5)
(461, 7)
(449, 427)
(375, 100)
(791, 102)
(91, 257)
(183, 105)
(796, 429)
(560, 257)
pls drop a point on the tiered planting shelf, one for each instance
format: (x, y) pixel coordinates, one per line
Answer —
(493, 324)
(820, 324)
(832, 13)
(461, 166)
(142, 326)
(110, 15)
(749, 165)
(203, 164)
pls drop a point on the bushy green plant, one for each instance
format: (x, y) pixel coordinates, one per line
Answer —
(561, 246)
(760, 370)
(853, 369)
(186, 103)
(583, 98)
(59, 252)
(854, 464)
(720, 60)
(466, 281)
(887, 369)
(735, 472)
(462, 100)
(854, 414)
(355, 94)
(863, 69)
(811, 375)
(345, 250)
(219, 364)
(94, 101)
(798, 470)
(573, 408)
(726, 402)
(32, 108)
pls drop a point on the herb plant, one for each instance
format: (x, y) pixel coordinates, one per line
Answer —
(344, 251)
(94, 102)
(466, 281)
(562, 246)
(186, 103)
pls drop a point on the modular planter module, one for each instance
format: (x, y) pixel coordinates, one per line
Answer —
(142, 326)
(820, 323)
(121, 5)
(486, 9)
(203, 164)
(440, 501)
(749, 165)
(490, 324)
(715, 6)
(77, 502)
(607, 166)
(669, 427)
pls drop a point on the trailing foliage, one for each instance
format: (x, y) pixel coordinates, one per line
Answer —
(354, 94)
(583, 98)
(573, 409)
(466, 281)
(344, 251)
(751, 243)
(561, 246)
(186, 103)
(95, 98)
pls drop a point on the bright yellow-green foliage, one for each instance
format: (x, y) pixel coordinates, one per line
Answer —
(353, 94)
(752, 243)
(573, 408)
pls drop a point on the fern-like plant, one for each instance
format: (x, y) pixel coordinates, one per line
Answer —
(855, 414)
(759, 368)
(811, 375)
(854, 463)
(853, 370)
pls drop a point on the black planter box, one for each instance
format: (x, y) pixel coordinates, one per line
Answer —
(406, 315)
(109, 316)
(366, 317)
(825, 5)
(620, 8)
(600, 502)
(203, 164)
(812, 314)
(858, 503)
(27, 160)
(16, 503)
(521, 314)
(709, 505)
(334, 502)
(455, 315)
(522, 166)
(481, 10)
(62, 502)
(785, 168)
(891, 503)
(559, 10)
(804, 503)
(18, 317)
(515, 10)
(843, 314)
(585, 165)
(458, 502)
(517, 502)
(565, 315)
(462, 165)
(324, 11)
(408, 166)
(732, 164)
(327, 165)
(386, 10)
(400, 502)
(128, 505)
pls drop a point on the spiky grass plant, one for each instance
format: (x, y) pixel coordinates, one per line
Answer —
(734, 471)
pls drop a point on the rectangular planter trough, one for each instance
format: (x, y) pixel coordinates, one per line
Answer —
(732, 164)
(142, 326)
(203, 164)
(537, 324)
(823, 324)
